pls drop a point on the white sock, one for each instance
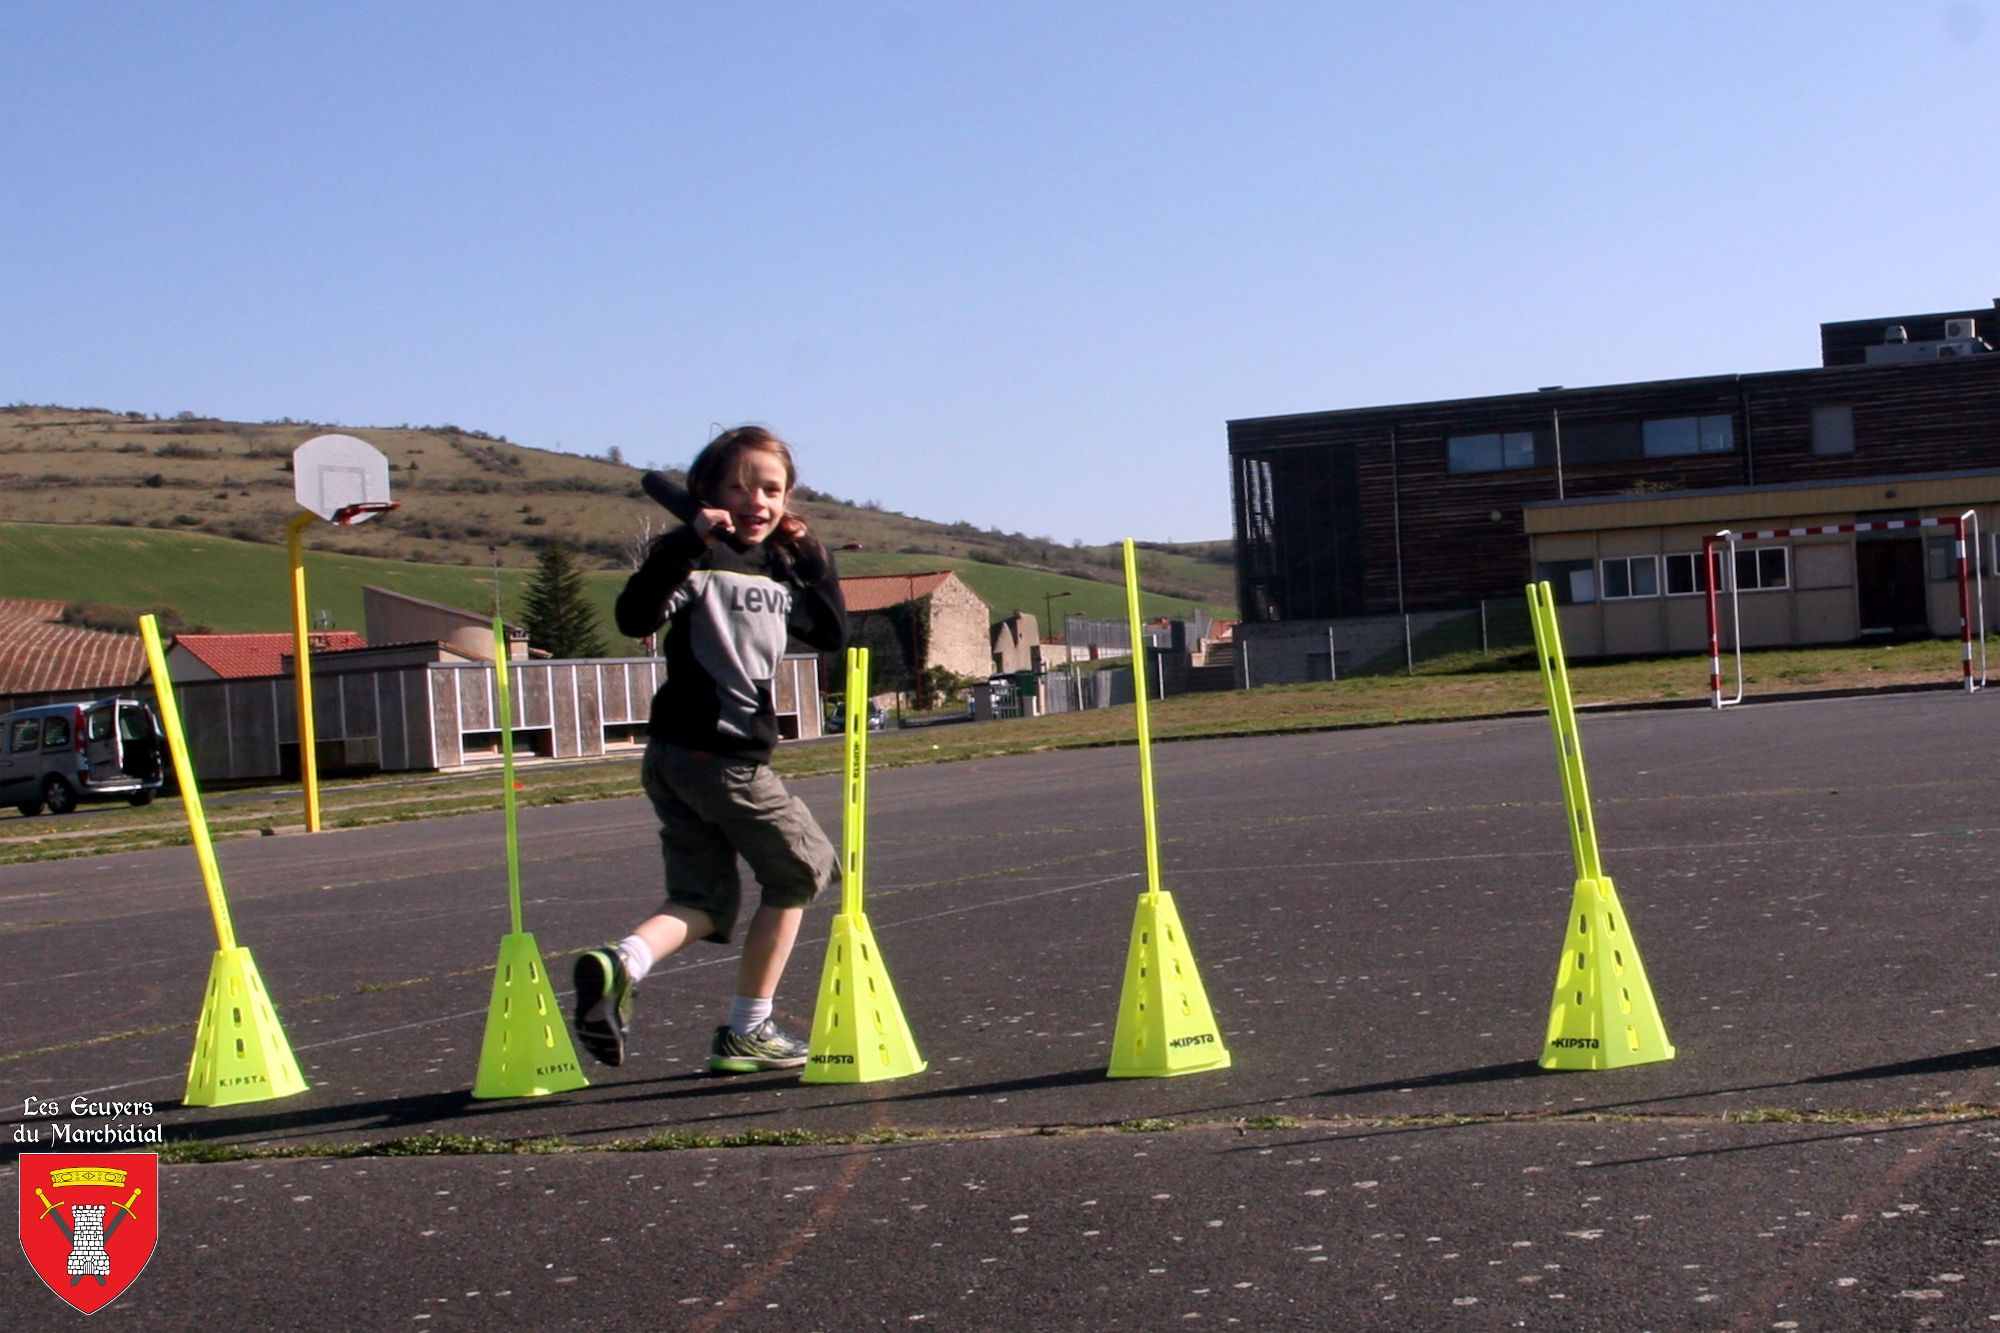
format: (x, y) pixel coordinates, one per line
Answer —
(637, 956)
(747, 1014)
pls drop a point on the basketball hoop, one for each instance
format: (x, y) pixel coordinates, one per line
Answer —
(348, 515)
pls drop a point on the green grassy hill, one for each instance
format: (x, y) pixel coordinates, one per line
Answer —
(238, 586)
(467, 496)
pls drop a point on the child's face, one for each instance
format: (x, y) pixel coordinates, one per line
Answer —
(755, 497)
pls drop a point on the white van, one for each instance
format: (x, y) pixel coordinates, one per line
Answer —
(58, 754)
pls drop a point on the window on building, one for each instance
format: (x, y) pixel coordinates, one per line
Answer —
(1630, 576)
(1672, 437)
(1760, 569)
(1570, 580)
(1833, 430)
(1600, 441)
(1687, 573)
(1492, 452)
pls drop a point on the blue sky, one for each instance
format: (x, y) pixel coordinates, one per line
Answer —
(1016, 264)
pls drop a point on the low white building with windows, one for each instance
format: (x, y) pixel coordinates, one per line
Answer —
(1628, 569)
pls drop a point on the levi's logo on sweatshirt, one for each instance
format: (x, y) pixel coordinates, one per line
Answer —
(758, 598)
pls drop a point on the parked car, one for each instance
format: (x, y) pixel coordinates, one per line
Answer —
(836, 720)
(56, 755)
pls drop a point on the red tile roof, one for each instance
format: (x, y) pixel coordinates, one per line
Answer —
(238, 656)
(878, 592)
(38, 655)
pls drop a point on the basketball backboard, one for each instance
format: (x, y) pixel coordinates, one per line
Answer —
(340, 478)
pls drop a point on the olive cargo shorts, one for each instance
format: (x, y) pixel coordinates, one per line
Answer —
(714, 807)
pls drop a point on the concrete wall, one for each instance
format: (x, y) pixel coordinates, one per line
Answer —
(1015, 642)
(395, 619)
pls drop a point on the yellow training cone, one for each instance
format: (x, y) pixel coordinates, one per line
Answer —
(859, 1034)
(1165, 1026)
(1164, 1023)
(527, 1050)
(1603, 1016)
(240, 1051)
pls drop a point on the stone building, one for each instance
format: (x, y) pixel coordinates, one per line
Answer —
(913, 621)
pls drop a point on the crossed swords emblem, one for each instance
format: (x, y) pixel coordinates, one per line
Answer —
(69, 1233)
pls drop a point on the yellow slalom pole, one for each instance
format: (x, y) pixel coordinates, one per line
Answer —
(1165, 1026)
(502, 670)
(1145, 730)
(240, 1051)
(1562, 720)
(854, 830)
(302, 666)
(1602, 1014)
(526, 1051)
(859, 1034)
(170, 718)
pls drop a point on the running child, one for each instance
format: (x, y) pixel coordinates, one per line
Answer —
(731, 587)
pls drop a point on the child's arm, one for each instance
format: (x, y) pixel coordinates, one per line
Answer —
(642, 606)
(819, 612)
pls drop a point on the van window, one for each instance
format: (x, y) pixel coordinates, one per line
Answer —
(55, 733)
(100, 724)
(27, 735)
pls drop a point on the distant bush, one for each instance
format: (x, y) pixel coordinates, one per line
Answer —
(123, 619)
(155, 480)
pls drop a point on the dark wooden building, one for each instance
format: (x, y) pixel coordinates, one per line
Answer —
(1424, 506)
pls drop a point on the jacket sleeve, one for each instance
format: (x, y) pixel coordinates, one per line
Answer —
(819, 612)
(642, 606)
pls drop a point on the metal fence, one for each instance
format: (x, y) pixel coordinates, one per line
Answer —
(1290, 653)
(1286, 653)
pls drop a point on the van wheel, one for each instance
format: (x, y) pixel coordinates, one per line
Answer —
(141, 797)
(56, 794)
(29, 808)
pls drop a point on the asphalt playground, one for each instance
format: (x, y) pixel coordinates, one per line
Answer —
(1376, 916)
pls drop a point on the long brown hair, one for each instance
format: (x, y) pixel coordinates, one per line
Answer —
(721, 458)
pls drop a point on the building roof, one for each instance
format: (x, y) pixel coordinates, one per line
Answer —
(878, 592)
(241, 656)
(39, 655)
(478, 618)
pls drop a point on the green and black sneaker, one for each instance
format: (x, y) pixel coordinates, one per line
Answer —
(603, 1004)
(765, 1047)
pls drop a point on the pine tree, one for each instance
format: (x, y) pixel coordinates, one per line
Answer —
(554, 611)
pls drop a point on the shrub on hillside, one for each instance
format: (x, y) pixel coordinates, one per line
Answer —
(123, 619)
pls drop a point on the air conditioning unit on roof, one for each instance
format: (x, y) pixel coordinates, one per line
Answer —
(1957, 329)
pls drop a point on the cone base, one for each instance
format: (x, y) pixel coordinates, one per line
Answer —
(859, 1034)
(1603, 1015)
(240, 1051)
(1165, 1026)
(526, 1051)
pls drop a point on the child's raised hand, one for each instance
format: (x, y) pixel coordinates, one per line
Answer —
(709, 522)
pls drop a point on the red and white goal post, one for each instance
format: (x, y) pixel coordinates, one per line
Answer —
(1971, 591)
